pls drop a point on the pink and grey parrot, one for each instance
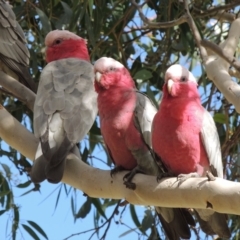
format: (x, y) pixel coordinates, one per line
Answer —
(185, 137)
(65, 106)
(126, 117)
(14, 55)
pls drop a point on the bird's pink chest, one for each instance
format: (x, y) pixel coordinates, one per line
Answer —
(119, 132)
(177, 138)
(114, 127)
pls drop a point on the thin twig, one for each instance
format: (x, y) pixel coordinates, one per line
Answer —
(234, 139)
(158, 25)
(95, 48)
(217, 11)
(99, 227)
(196, 33)
(221, 16)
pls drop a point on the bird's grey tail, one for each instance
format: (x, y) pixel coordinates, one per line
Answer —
(52, 169)
(55, 169)
(215, 223)
(37, 173)
(175, 222)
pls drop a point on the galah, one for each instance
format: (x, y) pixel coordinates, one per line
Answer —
(14, 54)
(126, 119)
(65, 106)
(185, 137)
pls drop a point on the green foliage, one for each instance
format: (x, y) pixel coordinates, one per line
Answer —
(113, 28)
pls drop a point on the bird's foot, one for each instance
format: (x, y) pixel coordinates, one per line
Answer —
(163, 175)
(183, 177)
(210, 176)
(129, 176)
(130, 185)
(116, 170)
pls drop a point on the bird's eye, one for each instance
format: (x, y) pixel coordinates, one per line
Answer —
(111, 69)
(57, 41)
(183, 79)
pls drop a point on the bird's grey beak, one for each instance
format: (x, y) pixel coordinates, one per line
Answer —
(170, 83)
(98, 76)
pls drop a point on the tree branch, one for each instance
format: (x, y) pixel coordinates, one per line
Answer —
(18, 90)
(196, 33)
(193, 193)
(220, 52)
(158, 25)
(17, 136)
(231, 142)
(217, 11)
(217, 68)
(221, 16)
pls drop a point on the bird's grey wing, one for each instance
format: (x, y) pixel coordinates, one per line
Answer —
(64, 111)
(46, 95)
(144, 114)
(13, 50)
(212, 222)
(210, 140)
(174, 221)
(80, 109)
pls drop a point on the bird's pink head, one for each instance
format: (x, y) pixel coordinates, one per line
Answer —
(111, 73)
(64, 44)
(179, 82)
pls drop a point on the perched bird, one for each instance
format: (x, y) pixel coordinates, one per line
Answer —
(14, 54)
(126, 119)
(65, 106)
(185, 137)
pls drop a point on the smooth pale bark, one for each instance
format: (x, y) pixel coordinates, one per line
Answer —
(218, 69)
(223, 195)
(17, 89)
(16, 135)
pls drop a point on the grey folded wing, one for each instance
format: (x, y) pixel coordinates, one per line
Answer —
(64, 110)
(145, 111)
(174, 221)
(210, 140)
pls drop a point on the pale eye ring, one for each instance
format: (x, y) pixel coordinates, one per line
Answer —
(183, 79)
(57, 41)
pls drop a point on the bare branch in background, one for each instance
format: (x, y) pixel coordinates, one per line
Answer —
(195, 32)
(158, 25)
(217, 11)
(234, 139)
(18, 90)
(221, 16)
